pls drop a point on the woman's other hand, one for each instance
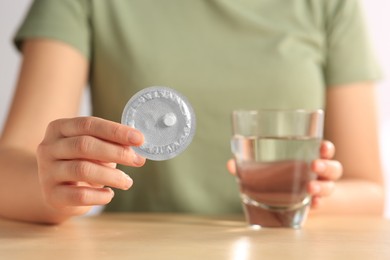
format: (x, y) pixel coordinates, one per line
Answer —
(328, 171)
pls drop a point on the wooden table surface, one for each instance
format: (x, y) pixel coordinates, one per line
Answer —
(168, 236)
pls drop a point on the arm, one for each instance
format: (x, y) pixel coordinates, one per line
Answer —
(50, 85)
(56, 183)
(351, 125)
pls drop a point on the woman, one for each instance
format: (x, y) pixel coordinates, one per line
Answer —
(222, 55)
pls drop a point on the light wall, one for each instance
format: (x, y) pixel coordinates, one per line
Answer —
(11, 15)
(378, 19)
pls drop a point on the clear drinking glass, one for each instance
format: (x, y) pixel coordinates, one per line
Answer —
(273, 151)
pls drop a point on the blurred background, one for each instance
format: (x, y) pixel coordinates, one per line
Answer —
(377, 18)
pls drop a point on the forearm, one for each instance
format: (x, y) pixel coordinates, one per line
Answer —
(354, 197)
(20, 194)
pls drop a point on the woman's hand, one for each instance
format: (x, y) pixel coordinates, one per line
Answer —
(328, 172)
(77, 160)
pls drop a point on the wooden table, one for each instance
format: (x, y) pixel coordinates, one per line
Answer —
(160, 236)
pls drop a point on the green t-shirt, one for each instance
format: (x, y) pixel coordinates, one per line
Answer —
(222, 55)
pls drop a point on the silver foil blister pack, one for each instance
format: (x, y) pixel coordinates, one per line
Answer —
(166, 119)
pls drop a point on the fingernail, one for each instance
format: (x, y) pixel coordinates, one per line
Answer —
(135, 137)
(138, 159)
(112, 192)
(129, 181)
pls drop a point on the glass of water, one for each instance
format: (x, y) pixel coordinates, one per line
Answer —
(273, 152)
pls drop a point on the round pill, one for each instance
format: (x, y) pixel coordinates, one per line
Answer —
(169, 119)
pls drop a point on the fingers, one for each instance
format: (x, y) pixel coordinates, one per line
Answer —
(327, 150)
(321, 188)
(78, 158)
(327, 169)
(97, 127)
(81, 183)
(92, 173)
(92, 139)
(315, 202)
(231, 166)
(318, 190)
(91, 148)
(71, 195)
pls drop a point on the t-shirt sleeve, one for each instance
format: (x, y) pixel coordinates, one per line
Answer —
(349, 56)
(65, 20)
